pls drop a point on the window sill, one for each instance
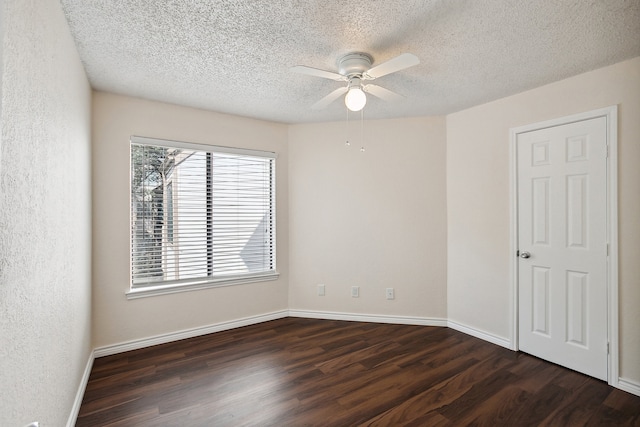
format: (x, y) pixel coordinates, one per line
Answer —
(152, 291)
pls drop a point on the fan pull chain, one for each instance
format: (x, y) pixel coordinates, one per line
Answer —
(347, 143)
(362, 130)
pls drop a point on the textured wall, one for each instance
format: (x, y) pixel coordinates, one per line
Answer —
(478, 198)
(45, 231)
(375, 219)
(118, 320)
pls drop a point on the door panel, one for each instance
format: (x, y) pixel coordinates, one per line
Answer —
(562, 286)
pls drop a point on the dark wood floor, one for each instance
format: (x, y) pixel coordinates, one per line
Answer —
(304, 372)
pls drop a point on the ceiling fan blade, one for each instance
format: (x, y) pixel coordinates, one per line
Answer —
(316, 72)
(329, 98)
(398, 63)
(383, 93)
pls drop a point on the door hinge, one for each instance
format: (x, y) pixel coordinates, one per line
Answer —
(607, 348)
(607, 249)
(607, 151)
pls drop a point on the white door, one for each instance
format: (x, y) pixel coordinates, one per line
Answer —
(562, 242)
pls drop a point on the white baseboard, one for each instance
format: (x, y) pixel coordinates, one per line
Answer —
(374, 318)
(75, 409)
(187, 333)
(629, 386)
(190, 333)
(502, 342)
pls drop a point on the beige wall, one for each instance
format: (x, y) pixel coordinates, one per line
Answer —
(478, 198)
(45, 216)
(375, 219)
(118, 320)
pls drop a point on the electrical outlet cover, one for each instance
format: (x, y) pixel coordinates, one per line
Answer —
(390, 293)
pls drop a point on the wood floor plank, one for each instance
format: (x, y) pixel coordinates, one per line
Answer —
(503, 404)
(439, 395)
(577, 408)
(309, 372)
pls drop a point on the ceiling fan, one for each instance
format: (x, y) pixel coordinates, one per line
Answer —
(355, 68)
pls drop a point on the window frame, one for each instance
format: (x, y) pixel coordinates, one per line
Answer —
(211, 281)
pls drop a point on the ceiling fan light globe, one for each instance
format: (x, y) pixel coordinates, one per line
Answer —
(355, 99)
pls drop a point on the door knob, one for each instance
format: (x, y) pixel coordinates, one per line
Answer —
(525, 255)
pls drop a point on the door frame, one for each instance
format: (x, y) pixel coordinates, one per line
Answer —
(611, 116)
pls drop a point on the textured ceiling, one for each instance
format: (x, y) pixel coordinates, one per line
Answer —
(235, 56)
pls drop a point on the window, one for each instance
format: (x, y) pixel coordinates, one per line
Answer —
(201, 216)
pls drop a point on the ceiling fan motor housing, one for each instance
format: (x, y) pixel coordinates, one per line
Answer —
(354, 64)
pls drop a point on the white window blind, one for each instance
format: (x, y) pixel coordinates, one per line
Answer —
(200, 213)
